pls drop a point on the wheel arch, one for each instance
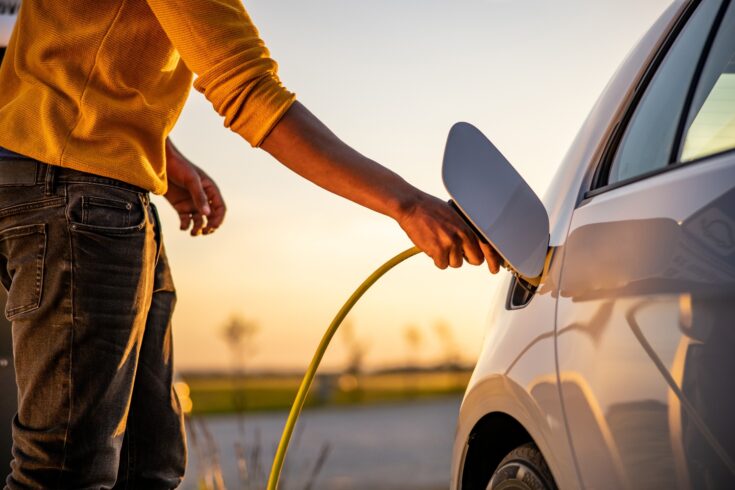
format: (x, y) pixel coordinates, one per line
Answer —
(498, 415)
(492, 437)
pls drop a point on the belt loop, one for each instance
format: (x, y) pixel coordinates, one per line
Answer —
(49, 180)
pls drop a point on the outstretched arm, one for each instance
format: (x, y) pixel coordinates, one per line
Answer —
(304, 144)
(219, 42)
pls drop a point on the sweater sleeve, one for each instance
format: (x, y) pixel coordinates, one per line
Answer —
(218, 41)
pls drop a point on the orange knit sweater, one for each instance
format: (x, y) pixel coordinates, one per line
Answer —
(96, 85)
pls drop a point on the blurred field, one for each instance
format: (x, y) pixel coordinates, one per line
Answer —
(220, 394)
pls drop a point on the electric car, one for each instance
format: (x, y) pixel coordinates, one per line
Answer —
(615, 367)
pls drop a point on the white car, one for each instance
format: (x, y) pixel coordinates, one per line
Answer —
(617, 368)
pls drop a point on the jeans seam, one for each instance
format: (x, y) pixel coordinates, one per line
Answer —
(71, 352)
(44, 203)
(41, 267)
(101, 181)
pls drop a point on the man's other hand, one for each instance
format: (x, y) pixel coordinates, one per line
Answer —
(193, 194)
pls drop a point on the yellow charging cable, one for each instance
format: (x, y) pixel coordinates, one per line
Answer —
(298, 403)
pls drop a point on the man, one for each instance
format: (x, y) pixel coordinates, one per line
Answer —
(89, 91)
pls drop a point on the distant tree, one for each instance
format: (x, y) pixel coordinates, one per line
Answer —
(239, 335)
(356, 349)
(451, 354)
(413, 337)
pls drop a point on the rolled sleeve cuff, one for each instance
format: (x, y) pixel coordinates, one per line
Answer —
(246, 91)
(267, 108)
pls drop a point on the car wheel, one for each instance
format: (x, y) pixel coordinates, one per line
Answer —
(524, 468)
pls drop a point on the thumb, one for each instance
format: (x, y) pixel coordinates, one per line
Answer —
(196, 190)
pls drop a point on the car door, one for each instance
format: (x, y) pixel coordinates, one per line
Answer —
(645, 332)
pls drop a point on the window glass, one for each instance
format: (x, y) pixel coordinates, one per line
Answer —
(711, 123)
(649, 138)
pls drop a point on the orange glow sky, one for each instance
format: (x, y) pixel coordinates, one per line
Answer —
(389, 77)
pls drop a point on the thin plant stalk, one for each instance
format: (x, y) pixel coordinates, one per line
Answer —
(318, 466)
(218, 479)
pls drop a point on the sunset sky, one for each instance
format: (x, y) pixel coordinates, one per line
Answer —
(389, 77)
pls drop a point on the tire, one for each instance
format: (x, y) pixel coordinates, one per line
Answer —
(524, 468)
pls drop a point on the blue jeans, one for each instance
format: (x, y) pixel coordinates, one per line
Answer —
(90, 297)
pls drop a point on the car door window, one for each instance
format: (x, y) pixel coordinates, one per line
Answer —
(648, 140)
(710, 126)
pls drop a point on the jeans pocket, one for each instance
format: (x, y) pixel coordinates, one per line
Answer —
(105, 209)
(101, 211)
(22, 249)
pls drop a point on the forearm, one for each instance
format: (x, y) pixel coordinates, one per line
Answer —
(301, 142)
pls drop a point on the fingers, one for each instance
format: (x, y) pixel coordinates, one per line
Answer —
(462, 244)
(471, 249)
(441, 262)
(198, 224)
(453, 251)
(217, 204)
(185, 221)
(193, 194)
(183, 173)
(456, 253)
(467, 247)
(442, 234)
(188, 204)
(491, 257)
(194, 185)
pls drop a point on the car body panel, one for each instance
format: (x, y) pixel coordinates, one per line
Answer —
(516, 375)
(644, 341)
